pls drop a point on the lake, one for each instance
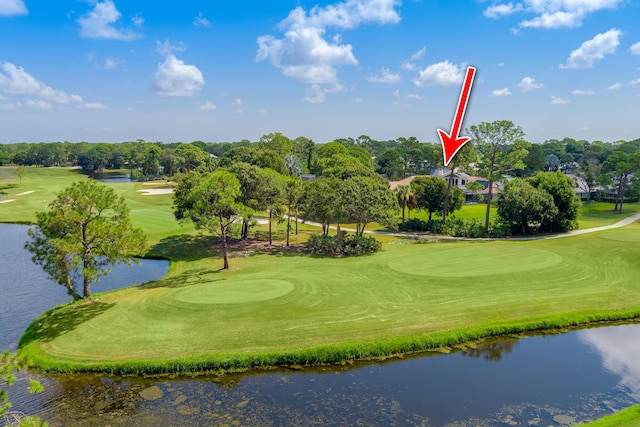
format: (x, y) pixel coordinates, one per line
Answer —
(539, 380)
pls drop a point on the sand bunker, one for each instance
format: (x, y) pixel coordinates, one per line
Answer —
(156, 191)
(25, 193)
(7, 201)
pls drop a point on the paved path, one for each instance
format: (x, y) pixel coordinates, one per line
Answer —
(622, 223)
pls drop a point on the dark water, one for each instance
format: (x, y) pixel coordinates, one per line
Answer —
(111, 176)
(541, 380)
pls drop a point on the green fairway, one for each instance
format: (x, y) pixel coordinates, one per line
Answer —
(270, 304)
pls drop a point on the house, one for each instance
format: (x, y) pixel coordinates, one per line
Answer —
(460, 180)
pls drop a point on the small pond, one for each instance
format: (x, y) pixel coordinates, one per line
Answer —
(535, 381)
(113, 177)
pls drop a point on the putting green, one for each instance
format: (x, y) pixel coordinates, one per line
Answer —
(234, 291)
(473, 259)
(623, 235)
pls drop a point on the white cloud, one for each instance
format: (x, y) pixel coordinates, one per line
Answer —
(385, 76)
(499, 10)
(40, 104)
(615, 86)
(396, 93)
(12, 8)
(238, 102)
(306, 55)
(582, 92)
(407, 65)
(594, 50)
(315, 95)
(551, 14)
(413, 96)
(174, 77)
(443, 73)
(110, 63)
(138, 21)
(634, 82)
(16, 80)
(419, 54)
(10, 107)
(635, 48)
(358, 100)
(201, 21)
(98, 23)
(501, 92)
(262, 111)
(527, 84)
(557, 100)
(93, 106)
(207, 106)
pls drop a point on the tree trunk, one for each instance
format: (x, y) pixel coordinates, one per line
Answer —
(339, 238)
(403, 206)
(288, 227)
(622, 194)
(223, 235)
(489, 197)
(270, 238)
(445, 204)
(296, 222)
(86, 283)
(409, 214)
(430, 212)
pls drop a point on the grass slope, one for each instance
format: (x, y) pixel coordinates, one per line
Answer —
(301, 309)
(629, 417)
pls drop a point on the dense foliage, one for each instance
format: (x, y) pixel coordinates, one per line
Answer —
(85, 231)
(345, 245)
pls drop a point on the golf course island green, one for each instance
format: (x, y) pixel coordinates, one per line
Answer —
(278, 308)
(271, 310)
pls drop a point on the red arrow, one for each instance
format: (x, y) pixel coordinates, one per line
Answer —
(452, 143)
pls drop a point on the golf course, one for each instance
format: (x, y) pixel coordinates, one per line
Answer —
(285, 308)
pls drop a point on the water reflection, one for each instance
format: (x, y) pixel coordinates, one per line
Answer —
(619, 348)
(493, 350)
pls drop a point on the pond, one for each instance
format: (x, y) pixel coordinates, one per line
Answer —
(539, 380)
(112, 176)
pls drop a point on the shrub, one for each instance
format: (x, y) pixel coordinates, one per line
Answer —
(458, 227)
(352, 244)
(415, 224)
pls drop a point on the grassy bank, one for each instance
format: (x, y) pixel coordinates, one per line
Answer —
(629, 417)
(271, 310)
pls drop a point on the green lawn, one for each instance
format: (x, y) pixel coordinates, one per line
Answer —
(597, 214)
(629, 417)
(269, 304)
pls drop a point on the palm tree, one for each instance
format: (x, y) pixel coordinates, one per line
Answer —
(402, 193)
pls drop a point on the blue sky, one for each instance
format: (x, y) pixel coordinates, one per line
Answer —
(115, 70)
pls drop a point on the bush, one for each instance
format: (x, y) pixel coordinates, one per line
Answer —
(415, 224)
(352, 244)
(464, 227)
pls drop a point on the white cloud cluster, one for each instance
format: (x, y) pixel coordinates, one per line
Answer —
(409, 65)
(201, 21)
(306, 54)
(501, 92)
(635, 48)
(582, 92)
(99, 23)
(385, 76)
(594, 50)
(527, 84)
(551, 13)
(12, 8)
(15, 80)
(558, 100)
(174, 77)
(442, 74)
(207, 106)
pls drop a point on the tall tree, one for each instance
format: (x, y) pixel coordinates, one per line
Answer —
(402, 194)
(522, 205)
(84, 232)
(561, 188)
(20, 171)
(291, 192)
(321, 200)
(501, 148)
(430, 192)
(191, 155)
(271, 195)
(211, 203)
(621, 166)
(367, 199)
(463, 158)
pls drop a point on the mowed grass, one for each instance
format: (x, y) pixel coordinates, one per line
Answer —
(152, 213)
(271, 304)
(629, 417)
